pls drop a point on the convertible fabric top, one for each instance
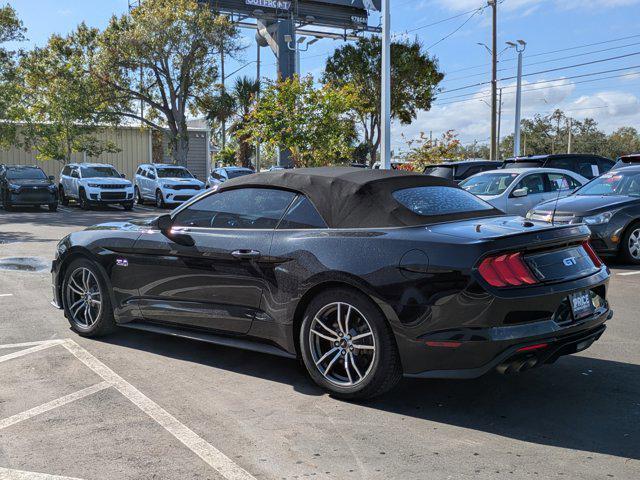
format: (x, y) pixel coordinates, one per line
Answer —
(354, 197)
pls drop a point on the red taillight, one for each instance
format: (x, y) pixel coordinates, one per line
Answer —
(508, 270)
(592, 254)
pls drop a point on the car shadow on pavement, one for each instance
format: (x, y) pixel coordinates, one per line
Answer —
(73, 216)
(579, 403)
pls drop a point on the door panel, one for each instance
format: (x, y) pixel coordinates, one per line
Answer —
(203, 286)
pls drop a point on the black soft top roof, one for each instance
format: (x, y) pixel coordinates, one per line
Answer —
(354, 197)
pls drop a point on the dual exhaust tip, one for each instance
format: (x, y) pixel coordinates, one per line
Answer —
(516, 366)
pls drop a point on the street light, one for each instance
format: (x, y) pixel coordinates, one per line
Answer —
(520, 47)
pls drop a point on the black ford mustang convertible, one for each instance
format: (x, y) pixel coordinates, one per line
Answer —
(365, 275)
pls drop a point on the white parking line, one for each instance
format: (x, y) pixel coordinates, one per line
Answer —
(29, 344)
(22, 353)
(628, 274)
(6, 294)
(10, 474)
(211, 455)
(58, 402)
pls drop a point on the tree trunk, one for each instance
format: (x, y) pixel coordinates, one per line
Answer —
(180, 148)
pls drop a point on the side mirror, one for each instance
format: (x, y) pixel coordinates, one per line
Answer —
(123, 175)
(52, 178)
(165, 225)
(520, 192)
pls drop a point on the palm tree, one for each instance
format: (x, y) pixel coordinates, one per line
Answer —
(236, 106)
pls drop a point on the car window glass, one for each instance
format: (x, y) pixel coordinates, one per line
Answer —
(243, 208)
(562, 163)
(604, 165)
(75, 173)
(533, 183)
(25, 173)
(174, 172)
(431, 201)
(99, 172)
(491, 183)
(301, 215)
(560, 182)
(66, 170)
(151, 174)
(587, 168)
(613, 183)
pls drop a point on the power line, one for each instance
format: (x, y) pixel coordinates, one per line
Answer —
(479, 84)
(475, 12)
(543, 88)
(548, 61)
(576, 47)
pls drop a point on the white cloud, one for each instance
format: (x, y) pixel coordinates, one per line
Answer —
(513, 5)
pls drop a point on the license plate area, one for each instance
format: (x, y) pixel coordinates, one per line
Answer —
(581, 304)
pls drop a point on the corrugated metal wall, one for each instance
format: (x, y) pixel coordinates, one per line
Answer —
(134, 144)
(198, 162)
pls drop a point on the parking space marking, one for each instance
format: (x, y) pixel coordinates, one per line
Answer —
(627, 274)
(27, 351)
(58, 402)
(207, 452)
(6, 294)
(9, 474)
(29, 344)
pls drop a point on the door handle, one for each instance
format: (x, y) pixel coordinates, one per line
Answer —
(246, 254)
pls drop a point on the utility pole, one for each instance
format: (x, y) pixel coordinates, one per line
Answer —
(494, 79)
(520, 46)
(224, 122)
(499, 123)
(258, 99)
(385, 160)
(569, 127)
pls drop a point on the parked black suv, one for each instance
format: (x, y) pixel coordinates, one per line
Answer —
(27, 185)
(587, 165)
(458, 171)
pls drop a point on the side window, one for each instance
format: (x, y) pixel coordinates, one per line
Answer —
(140, 171)
(75, 173)
(66, 170)
(605, 165)
(301, 215)
(588, 168)
(243, 208)
(534, 183)
(151, 174)
(560, 182)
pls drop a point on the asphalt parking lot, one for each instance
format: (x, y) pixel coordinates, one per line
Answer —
(139, 405)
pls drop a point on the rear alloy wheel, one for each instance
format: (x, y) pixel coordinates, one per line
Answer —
(86, 300)
(631, 245)
(139, 198)
(347, 346)
(160, 200)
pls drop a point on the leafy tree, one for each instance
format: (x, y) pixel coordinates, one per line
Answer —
(315, 124)
(163, 54)
(425, 151)
(63, 107)
(414, 78)
(623, 141)
(11, 30)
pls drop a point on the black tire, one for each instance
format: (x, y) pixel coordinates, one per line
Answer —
(104, 321)
(139, 198)
(384, 368)
(84, 202)
(160, 200)
(53, 207)
(64, 200)
(628, 253)
(127, 206)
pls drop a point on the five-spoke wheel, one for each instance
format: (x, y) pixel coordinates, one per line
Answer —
(631, 244)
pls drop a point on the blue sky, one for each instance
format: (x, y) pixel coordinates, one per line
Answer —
(546, 25)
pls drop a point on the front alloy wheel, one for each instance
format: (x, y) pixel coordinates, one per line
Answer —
(631, 244)
(347, 346)
(86, 300)
(159, 199)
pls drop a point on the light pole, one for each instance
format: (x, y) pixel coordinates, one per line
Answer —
(520, 47)
(385, 111)
(494, 78)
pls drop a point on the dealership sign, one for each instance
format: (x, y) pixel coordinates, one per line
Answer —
(279, 4)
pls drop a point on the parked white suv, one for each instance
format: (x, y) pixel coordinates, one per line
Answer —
(94, 184)
(165, 184)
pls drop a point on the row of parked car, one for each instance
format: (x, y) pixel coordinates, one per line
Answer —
(606, 198)
(91, 184)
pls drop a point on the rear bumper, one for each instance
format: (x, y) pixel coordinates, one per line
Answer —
(564, 343)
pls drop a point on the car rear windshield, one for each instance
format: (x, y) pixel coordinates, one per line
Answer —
(99, 172)
(613, 183)
(488, 183)
(238, 173)
(171, 172)
(440, 171)
(434, 201)
(25, 174)
(512, 164)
